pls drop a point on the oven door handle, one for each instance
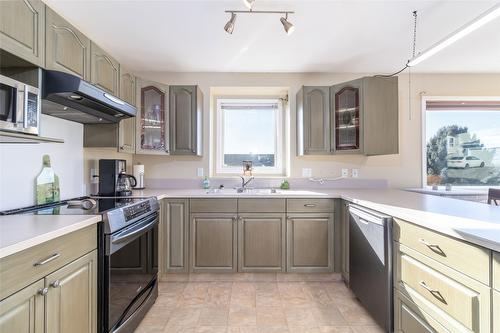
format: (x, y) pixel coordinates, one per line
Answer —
(126, 235)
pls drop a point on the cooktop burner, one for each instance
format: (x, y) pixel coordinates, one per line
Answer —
(77, 206)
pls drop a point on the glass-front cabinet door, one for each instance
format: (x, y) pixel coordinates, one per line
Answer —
(346, 117)
(152, 126)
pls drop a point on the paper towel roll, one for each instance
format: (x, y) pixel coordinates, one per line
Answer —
(139, 175)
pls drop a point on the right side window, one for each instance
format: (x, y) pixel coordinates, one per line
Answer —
(462, 143)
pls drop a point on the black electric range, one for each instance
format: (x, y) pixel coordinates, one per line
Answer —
(128, 254)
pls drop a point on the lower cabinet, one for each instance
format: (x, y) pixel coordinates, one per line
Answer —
(310, 242)
(496, 311)
(23, 312)
(344, 231)
(261, 242)
(213, 242)
(63, 301)
(409, 318)
(176, 231)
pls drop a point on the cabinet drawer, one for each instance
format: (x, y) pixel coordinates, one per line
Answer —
(21, 269)
(261, 205)
(214, 205)
(408, 317)
(496, 271)
(462, 298)
(466, 258)
(309, 205)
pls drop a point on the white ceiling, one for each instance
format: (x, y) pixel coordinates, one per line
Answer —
(331, 36)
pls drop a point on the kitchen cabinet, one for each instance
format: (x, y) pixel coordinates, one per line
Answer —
(496, 270)
(313, 118)
(66, 48)
(344, 231)
(23, 312)
(185, 109)
(22, 27)
(71, 300)
(126, 127)
(176, 230)
(364, 116)
(261, 242)
(104, 70)
(213, 242)
(152, 131)
(310, 242)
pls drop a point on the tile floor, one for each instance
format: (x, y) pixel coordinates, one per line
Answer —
(256, 303)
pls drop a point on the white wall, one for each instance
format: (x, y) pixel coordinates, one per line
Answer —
(402, 170)
(21, 163)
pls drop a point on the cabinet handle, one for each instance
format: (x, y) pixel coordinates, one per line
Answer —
(55, 284)
(43, 291)
(309, 205)
(194, 150)
(47, 260)
(433, 247)
(433, 292)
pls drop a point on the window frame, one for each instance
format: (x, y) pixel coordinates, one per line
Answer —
(280, 169)
(423, 108)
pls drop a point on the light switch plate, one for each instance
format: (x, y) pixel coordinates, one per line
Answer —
(199, 172)
(93, 180)
(355, 173)
(345, 172)
(306, 172)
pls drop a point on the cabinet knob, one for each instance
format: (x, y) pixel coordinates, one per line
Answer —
(55, 284)
(194, 151)
(43, 291)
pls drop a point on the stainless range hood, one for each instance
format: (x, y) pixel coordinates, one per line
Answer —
(69, 97)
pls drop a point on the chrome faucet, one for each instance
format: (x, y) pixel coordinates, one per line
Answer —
(244, 184)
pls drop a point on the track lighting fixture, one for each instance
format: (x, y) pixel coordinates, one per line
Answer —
(287, 25)
(249, 3)
(229, 27)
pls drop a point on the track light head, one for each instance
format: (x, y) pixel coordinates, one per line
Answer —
(229, 27)
(249, 3)
(287, 25)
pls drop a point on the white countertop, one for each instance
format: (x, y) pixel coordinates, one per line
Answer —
(471, 221)
(19, 232)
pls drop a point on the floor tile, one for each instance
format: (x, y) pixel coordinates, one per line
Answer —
(270, 316)
(184, 317)
(214, 316)
(242, 316)
(300, 317)
(328, 316)
(335, 329)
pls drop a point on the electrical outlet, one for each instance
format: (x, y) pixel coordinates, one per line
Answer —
(199, 172)
(93, 178)
(306, 172)
(355, 173)
(345, 172)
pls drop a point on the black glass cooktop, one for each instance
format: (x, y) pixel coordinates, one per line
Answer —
(92, 206)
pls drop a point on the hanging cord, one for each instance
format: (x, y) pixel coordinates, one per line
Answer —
(414, 47)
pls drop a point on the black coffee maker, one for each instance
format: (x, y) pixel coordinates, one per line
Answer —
(113, 179)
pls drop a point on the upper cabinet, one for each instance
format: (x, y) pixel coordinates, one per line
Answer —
(126, 130)
(355, 117)
(313, 114)
(104, 70)
(152, 126)
(66, 48)
(186, 104)
(22, 29)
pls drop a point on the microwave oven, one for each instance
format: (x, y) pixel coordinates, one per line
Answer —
(20, 106)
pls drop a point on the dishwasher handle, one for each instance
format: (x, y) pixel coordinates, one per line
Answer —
(365, 216)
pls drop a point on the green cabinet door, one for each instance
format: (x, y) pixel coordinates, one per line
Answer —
(22, 29)
(71, 299)
(23, 311)
(126, 130)
(176, 233)
(66, 48)
(104, 70)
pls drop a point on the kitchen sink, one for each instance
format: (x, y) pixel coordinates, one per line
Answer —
(261, 192)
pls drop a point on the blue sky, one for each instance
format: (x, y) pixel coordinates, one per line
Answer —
(485, 124)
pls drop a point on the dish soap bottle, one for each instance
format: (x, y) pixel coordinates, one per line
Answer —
(47, 184)
(285, 185)
(206, 183)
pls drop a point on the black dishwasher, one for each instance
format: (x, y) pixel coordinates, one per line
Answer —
(370, 263)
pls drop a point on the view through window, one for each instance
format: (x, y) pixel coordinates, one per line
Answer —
(463, 143)
(249, 130)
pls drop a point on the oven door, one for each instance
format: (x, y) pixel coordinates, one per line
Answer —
(131, 268)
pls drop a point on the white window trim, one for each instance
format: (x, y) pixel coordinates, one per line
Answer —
(423, 170)
(279, 169)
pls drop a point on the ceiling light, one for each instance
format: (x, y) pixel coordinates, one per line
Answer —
(475, 24)
(289, 27)
(229, 27)
(249, 3)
